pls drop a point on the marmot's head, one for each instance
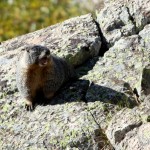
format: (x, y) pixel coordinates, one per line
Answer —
(37, 54)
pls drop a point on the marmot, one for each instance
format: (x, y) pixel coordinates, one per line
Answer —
(38, 70)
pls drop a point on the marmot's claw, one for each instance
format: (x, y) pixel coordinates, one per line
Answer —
(29, 107)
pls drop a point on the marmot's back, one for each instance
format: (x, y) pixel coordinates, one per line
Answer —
(58, 74)
(37, 70)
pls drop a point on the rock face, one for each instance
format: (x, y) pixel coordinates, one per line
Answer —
(108, 106)
(125, 18)
(118, 73)
(126, 131)
(76, 39)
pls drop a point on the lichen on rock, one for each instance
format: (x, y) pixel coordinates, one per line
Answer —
(108, 106)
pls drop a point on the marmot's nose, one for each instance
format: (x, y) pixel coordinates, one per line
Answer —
(47, 52)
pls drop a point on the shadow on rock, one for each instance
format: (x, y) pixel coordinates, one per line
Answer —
(107, 95)
(71, 92)
(87, 66)
(105, 44)
(82, 91)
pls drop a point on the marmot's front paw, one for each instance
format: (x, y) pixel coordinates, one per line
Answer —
(29, 106)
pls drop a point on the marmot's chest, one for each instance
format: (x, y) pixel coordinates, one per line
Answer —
(37, 77)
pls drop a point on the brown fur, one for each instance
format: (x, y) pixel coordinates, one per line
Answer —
(38, 71)
(36, 78)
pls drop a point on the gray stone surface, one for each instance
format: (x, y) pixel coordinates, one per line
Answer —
(123, 122)
(140, 12)
(64, 121)
(116, 78)
(145, 42)
(119, 24)
(126, 131)
(126, 17)
(144, 35)
(107, 107)
(59, 126)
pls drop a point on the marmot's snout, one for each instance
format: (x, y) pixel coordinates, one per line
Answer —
(43, 61)
(44, 58)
